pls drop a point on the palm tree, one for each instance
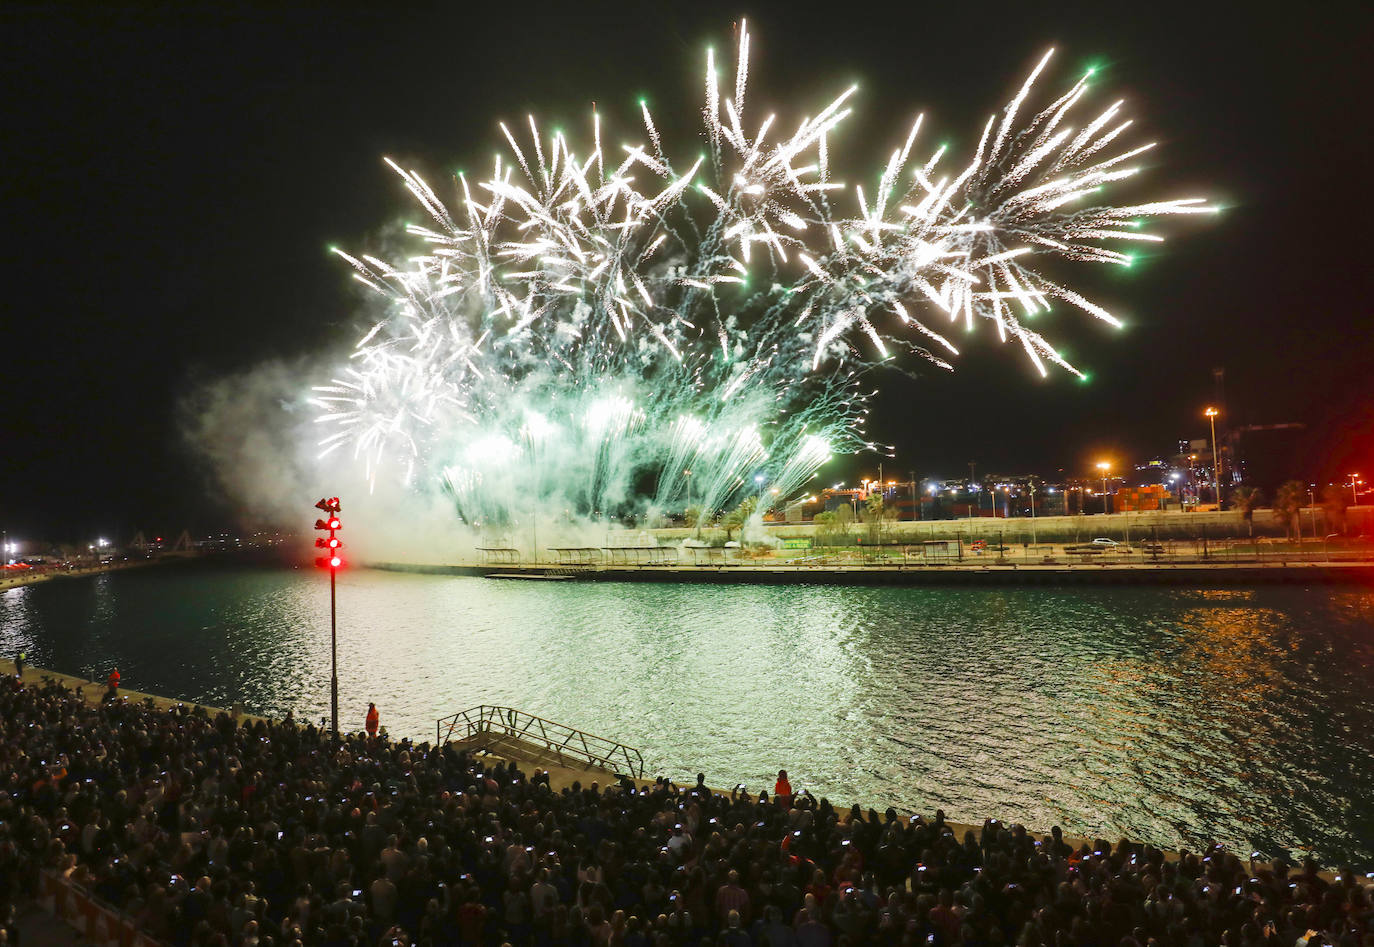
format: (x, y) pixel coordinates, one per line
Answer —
(1288, 503)
(825, 528)
(693, 518)
(1247, 499)
(737, 517)
(878, 517)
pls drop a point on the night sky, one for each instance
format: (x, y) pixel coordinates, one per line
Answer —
(173, 174)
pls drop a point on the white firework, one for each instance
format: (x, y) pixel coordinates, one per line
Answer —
(717, 315)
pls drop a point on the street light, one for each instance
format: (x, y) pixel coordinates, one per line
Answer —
(1216, 471)
(1103, 466)
(1354, 479)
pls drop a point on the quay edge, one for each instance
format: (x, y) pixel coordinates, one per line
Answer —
(1187, 574)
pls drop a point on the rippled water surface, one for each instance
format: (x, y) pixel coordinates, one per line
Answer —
(1169, 715)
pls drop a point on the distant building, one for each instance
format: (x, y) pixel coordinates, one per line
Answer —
(835, 498)
(1135, 499)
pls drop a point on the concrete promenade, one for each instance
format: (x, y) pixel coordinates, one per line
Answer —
(94, 691)
(981, 571)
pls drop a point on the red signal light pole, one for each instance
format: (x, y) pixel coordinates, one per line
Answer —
(332, 561)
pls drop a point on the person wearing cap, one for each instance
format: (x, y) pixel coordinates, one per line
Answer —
(680, 843)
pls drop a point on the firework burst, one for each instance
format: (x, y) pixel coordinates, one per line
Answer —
(596, 329)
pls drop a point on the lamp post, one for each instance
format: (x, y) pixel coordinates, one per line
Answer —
(1354, 479)
(972, 466)
(1032, 498)
(1103, 466)
(1216, 471)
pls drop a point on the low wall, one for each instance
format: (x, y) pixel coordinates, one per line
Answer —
(1123, 527)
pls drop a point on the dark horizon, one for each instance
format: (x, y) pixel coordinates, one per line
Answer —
(176, 175)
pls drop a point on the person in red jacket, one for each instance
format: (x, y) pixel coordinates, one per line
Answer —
(113, 682)
(782, 790)
(373, 718)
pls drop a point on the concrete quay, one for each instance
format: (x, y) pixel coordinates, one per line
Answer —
(93, 691)
(17, 579)
(990, 572)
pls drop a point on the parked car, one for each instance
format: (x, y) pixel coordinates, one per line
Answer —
(1105, 542)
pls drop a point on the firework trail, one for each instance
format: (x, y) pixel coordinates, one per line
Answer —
(596, 329)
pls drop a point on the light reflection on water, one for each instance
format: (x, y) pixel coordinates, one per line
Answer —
(1170, 715)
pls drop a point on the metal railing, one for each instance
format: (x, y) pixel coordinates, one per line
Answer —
(559, 740)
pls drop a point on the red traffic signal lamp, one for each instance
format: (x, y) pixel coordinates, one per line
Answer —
(332, 561)
(330, 505)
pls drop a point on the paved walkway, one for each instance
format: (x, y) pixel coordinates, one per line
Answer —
(38, 927)
(94, 691)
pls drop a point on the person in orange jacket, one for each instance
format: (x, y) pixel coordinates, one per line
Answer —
(373, 719)
(113, 682)
(782, 790)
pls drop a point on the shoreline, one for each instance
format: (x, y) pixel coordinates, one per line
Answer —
(560, 777)
(93, 691)
(13, 580)
(990, 572)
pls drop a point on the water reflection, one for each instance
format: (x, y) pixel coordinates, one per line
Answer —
(1175, 716)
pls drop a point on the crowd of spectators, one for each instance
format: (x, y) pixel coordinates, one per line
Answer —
(214, 833)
